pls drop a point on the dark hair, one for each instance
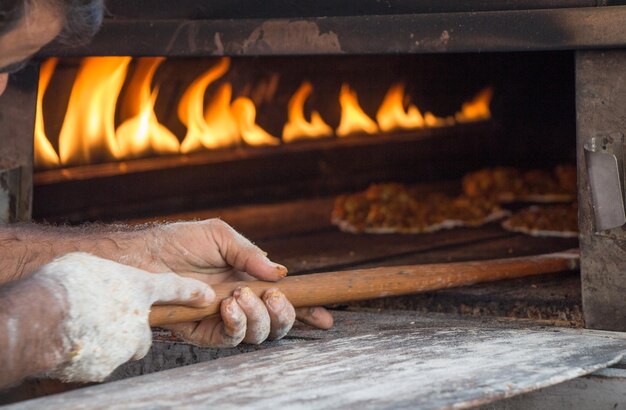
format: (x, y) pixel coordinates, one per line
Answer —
(82, 18)
(11, 11)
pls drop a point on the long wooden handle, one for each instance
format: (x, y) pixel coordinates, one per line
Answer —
(361, 284)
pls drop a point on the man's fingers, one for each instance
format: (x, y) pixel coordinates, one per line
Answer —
(281, 312)
(257, 317)
(243, 255)
(225, 330)
(315, 316)
(173, 289)
(259, 266)
(198, 333)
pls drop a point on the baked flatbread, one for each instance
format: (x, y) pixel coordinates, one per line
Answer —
(397, 208)
(553, 221)
(506, 184)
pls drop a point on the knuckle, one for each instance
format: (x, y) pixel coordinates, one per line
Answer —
(276, 301)
(218, 225)
(249, 302)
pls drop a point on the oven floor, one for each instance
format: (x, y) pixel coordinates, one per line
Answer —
(299, 235)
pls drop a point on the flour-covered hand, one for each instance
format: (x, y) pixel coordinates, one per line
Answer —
(108, 307)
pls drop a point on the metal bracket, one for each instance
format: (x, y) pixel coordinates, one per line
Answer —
(604, 156)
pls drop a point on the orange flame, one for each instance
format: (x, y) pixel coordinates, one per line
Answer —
(142, 134)
(88, 132)
(391, 114)
(191, 111)
(221, 120)
(245, 112)
(431, 120)
(477, 109)
(44, 156)
(353, 119)
(297, 127)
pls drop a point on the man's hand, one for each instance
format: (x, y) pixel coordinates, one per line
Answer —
(210, 251)
(107, 311)
(213, 252)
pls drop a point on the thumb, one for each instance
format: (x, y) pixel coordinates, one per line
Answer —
(244, 256)
(169, 288)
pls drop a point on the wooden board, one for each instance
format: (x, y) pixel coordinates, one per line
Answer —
(604, 389)
(406, 365)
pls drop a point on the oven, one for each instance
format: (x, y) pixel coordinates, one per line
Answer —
(263, 115)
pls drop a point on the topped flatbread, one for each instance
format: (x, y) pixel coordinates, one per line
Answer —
(545, 220)
(506, 184)
(397, 208)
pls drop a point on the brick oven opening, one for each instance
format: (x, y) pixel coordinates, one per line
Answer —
(164, 135)
(268, 143)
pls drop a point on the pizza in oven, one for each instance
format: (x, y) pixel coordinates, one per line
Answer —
(505, 184)
(545, 220)
(397, 208)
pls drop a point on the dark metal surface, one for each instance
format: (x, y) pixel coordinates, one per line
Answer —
(17, 121)
(518, 30)
(238, 9)
(604, 160)
(601, 98)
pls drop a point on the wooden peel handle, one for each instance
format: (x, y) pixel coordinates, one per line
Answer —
(361, 284)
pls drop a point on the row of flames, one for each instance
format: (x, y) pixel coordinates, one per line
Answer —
(88, 131)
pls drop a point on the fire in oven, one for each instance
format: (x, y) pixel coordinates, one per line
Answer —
(89, 133)
(302, 126)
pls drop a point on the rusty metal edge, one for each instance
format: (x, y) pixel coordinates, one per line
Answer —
(490, 31)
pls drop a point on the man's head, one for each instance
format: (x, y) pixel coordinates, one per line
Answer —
(27, 25)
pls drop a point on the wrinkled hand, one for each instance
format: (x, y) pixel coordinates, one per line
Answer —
(213, 252)
(108, 307)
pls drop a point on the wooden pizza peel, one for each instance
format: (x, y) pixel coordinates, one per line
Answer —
(361, 284)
